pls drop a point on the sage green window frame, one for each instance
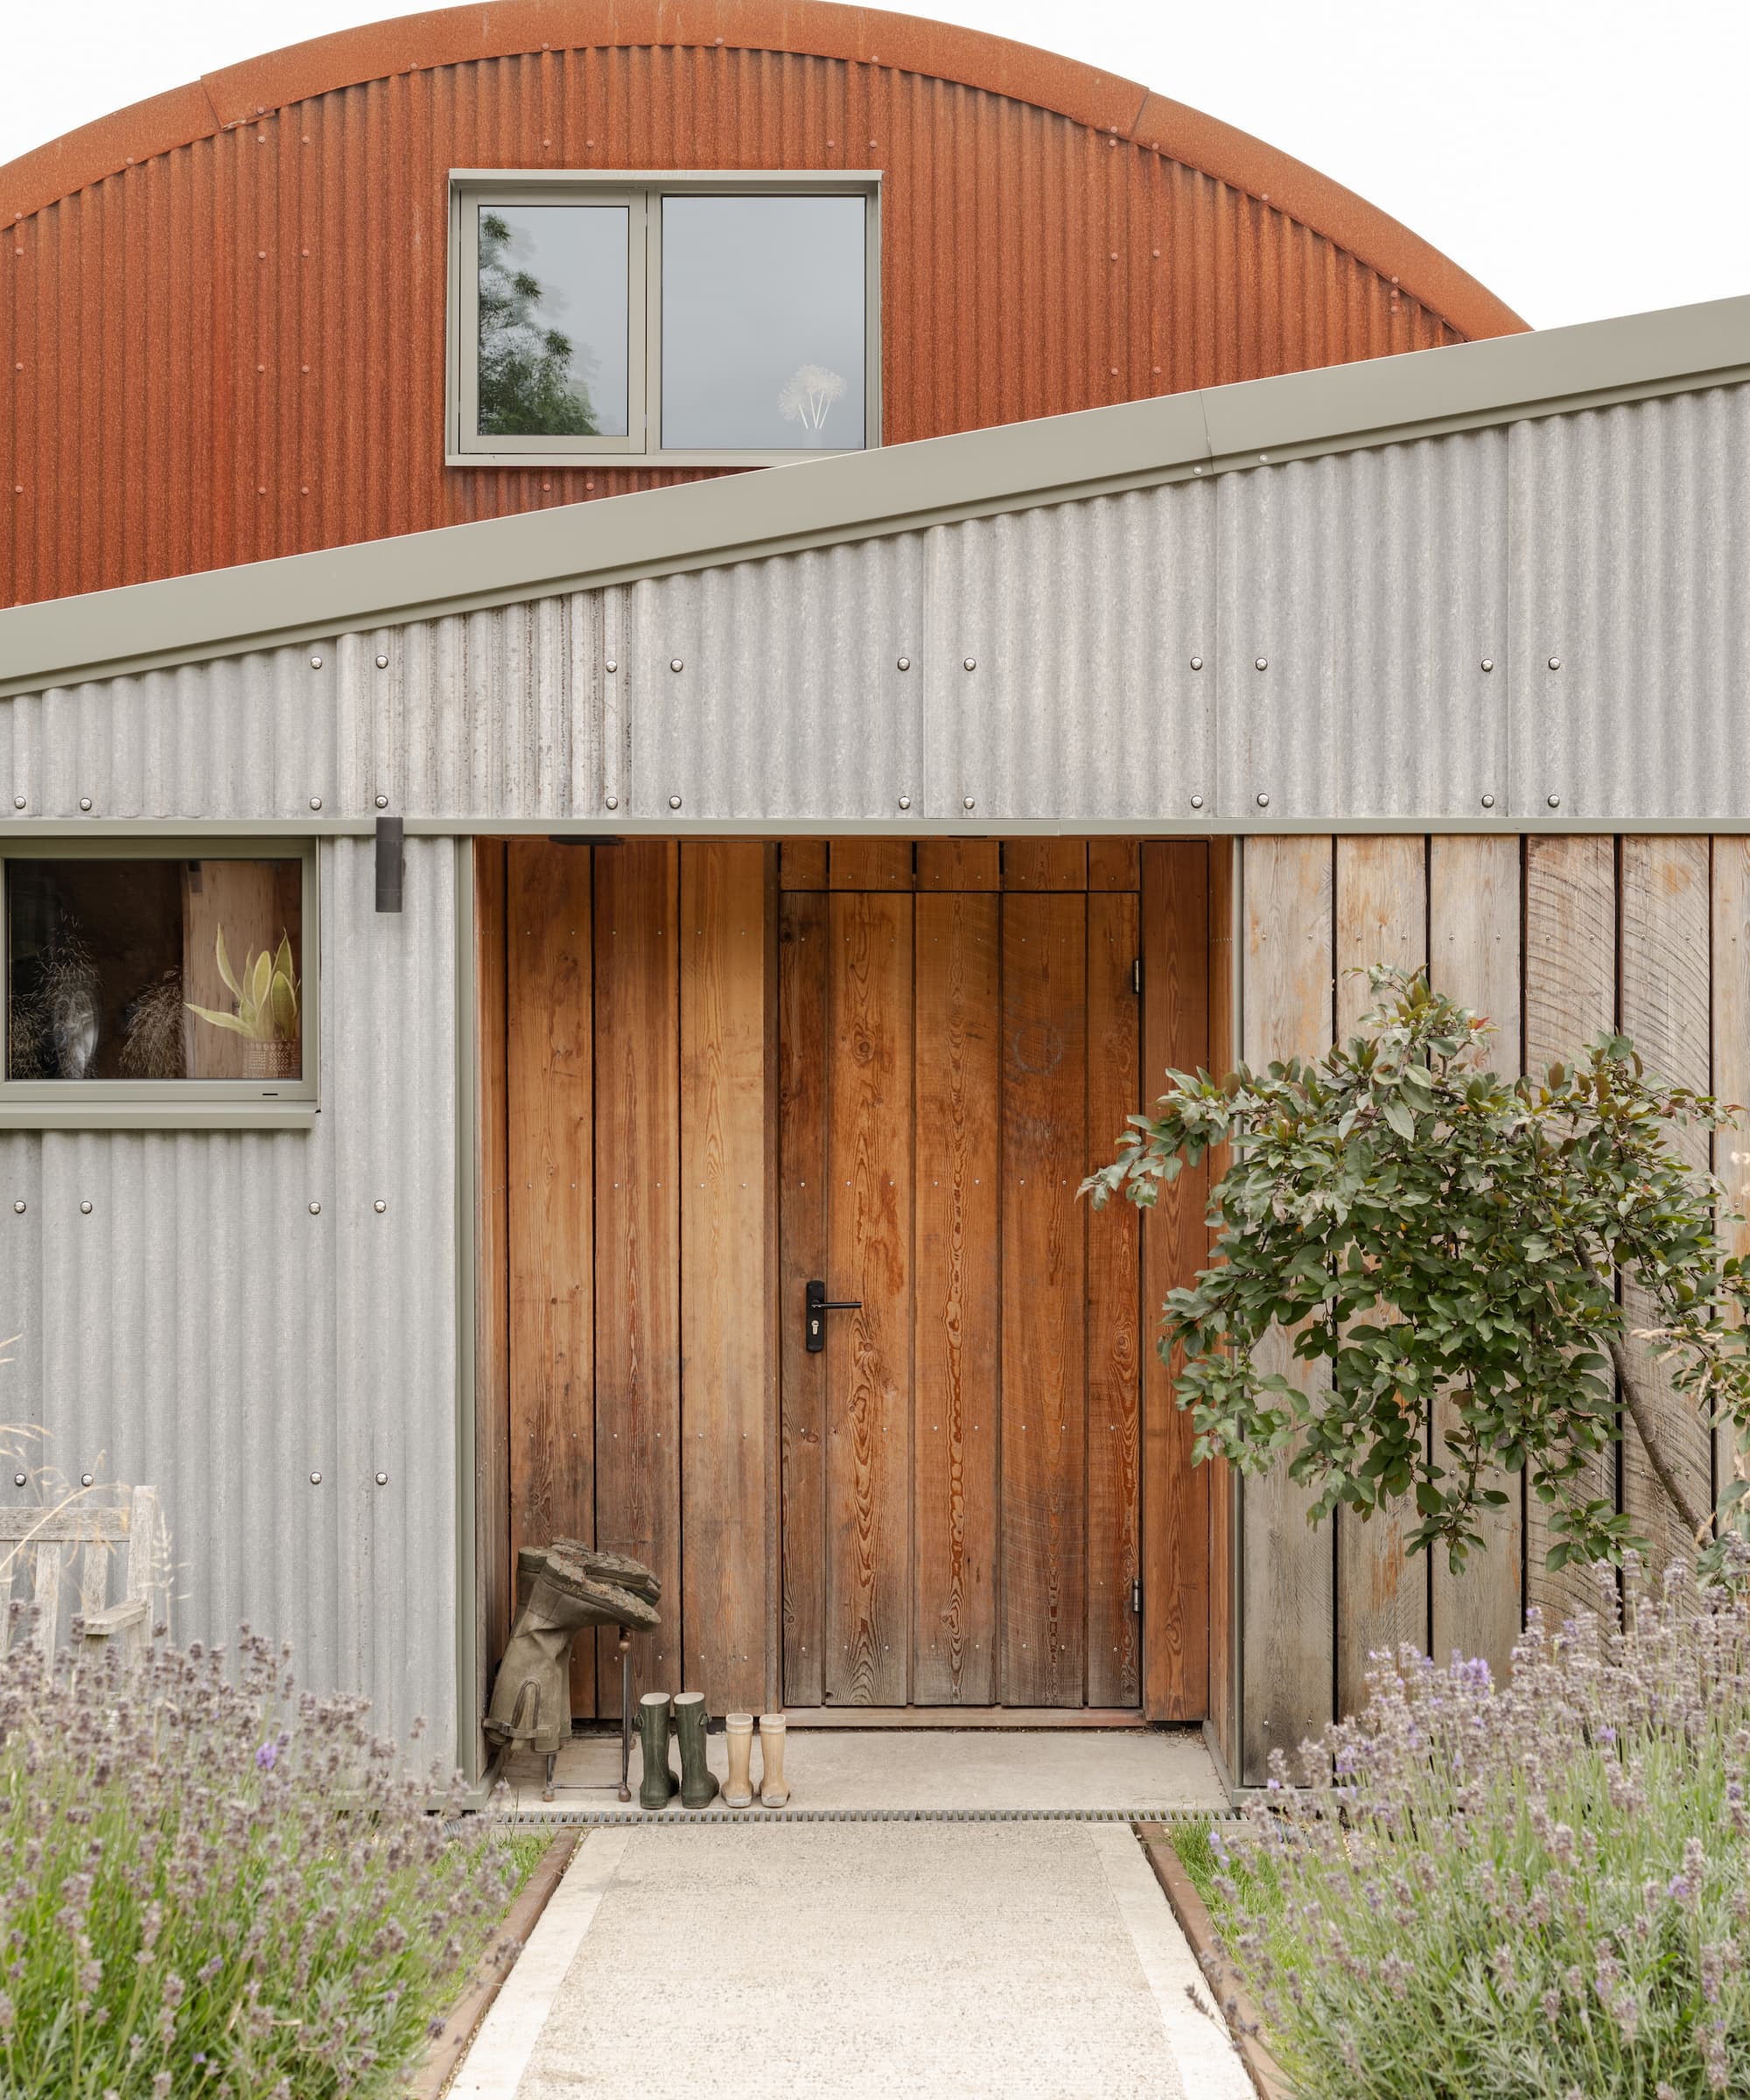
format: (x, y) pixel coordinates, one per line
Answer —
(169, 1104)
(643, 191)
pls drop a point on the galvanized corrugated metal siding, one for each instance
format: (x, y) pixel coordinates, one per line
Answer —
(202, 1330)
(1373, 584)
(235, 349)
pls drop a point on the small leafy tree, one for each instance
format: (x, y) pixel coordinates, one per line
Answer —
(1420, 1226)
(528, 385)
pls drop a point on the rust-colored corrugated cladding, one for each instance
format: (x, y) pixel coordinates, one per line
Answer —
(221, 311)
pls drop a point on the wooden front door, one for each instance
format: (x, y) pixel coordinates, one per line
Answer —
(959, 1041)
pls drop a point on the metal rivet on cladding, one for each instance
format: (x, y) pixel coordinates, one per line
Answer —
(674, 664)
(316, 1479)
(1197, 801)
(1489, 663)
(316, 663)
(614, 801)
(17, 801)
(382, 1479)
(971, 663)
(379, 1206)
(1555, 663)
(1554, 801)
(85, 1209)
(316, 801)
(612, 665)
(1264, 802)
(1197, 664)
(904, 663)
(382, 663)
(316, 1210)
(966, 802)
(1261, 663)
(905, 801)
(673, 801)
(1488, 802)
(19, 1206)
(85, 801)
(18, 1479)
(85, 1480)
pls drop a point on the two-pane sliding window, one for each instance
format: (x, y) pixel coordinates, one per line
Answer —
(719, 319)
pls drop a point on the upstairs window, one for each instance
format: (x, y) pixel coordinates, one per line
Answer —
(722, 320)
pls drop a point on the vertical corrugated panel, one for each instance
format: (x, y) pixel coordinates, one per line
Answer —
(1631, 567)
(201, 1329)
(1080, 621)
(235, 349)
(1371, 586)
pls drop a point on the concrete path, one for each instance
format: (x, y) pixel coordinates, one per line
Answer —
(987, 1961)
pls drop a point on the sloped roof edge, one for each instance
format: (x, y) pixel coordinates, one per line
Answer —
(1257, 424)
(453, 36)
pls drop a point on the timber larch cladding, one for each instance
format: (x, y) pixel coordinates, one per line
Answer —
(233, 348)
(1558, 940)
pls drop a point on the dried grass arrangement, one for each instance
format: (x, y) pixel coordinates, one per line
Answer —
(153, 1032)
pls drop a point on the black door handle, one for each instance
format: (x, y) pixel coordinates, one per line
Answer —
(817, 1302)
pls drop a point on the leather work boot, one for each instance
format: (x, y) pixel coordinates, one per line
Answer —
(737, 1733)
(698, 1782)
(531, 1701)
(657, 1788)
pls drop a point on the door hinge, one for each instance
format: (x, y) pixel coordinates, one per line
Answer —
(1136, 975)
(1136, 1597)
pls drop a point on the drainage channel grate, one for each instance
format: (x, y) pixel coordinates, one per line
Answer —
(557, 1818)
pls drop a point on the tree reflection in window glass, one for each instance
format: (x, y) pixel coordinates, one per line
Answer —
(553, 320)
(763, 323)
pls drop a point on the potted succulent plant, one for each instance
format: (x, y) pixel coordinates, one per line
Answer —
(266, 1015)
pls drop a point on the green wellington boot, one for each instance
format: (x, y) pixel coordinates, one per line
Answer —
(658, 1786)
(698, 1782)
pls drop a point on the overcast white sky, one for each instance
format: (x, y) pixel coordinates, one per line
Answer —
(1582, 160)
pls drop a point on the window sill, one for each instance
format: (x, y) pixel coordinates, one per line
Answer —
(607, 463)
(158, 1115)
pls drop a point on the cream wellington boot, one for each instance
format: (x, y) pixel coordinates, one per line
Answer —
(772, 1791)
(698, 1782)
(737, 1733)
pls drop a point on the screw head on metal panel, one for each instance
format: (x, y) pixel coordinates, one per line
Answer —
(382, 663)
(85, 1208)
(904, 663)
(19, 1206)
(382, 801)
(611, 664)
(316, 1210)
(17, 801)
(1264, 802)
(316, 1479)
(379, 1207)
(1197, 801)
(85, 1480)
(316, 663)
(382, 1479)
(905, 801)
(674, 664)
(614, 801)
(1554, 801)
(673, 801)
(1488, 802)
(18, 1479)
(1261, 663)
(1197, 664)
(1555, 663)
(970, 663)
(966, 802)
(316, 801)
(85, 801)
(1489, 663)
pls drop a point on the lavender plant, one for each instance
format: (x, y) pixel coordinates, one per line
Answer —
(211, 1884)
(1539, 1891)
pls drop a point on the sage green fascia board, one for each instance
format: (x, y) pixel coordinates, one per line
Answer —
(818, 502)
(199, 1115)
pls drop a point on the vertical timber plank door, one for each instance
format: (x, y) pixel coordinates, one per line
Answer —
(1382, 917)
(726, 1330)
(550, 1121)
(1474, 933)
(954, 1433)
(1570, 998)
(638, 1238)
(1730, 944)
(869, 1248)
(801, 1123)
(1045, 1418)
(1289, 1567)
